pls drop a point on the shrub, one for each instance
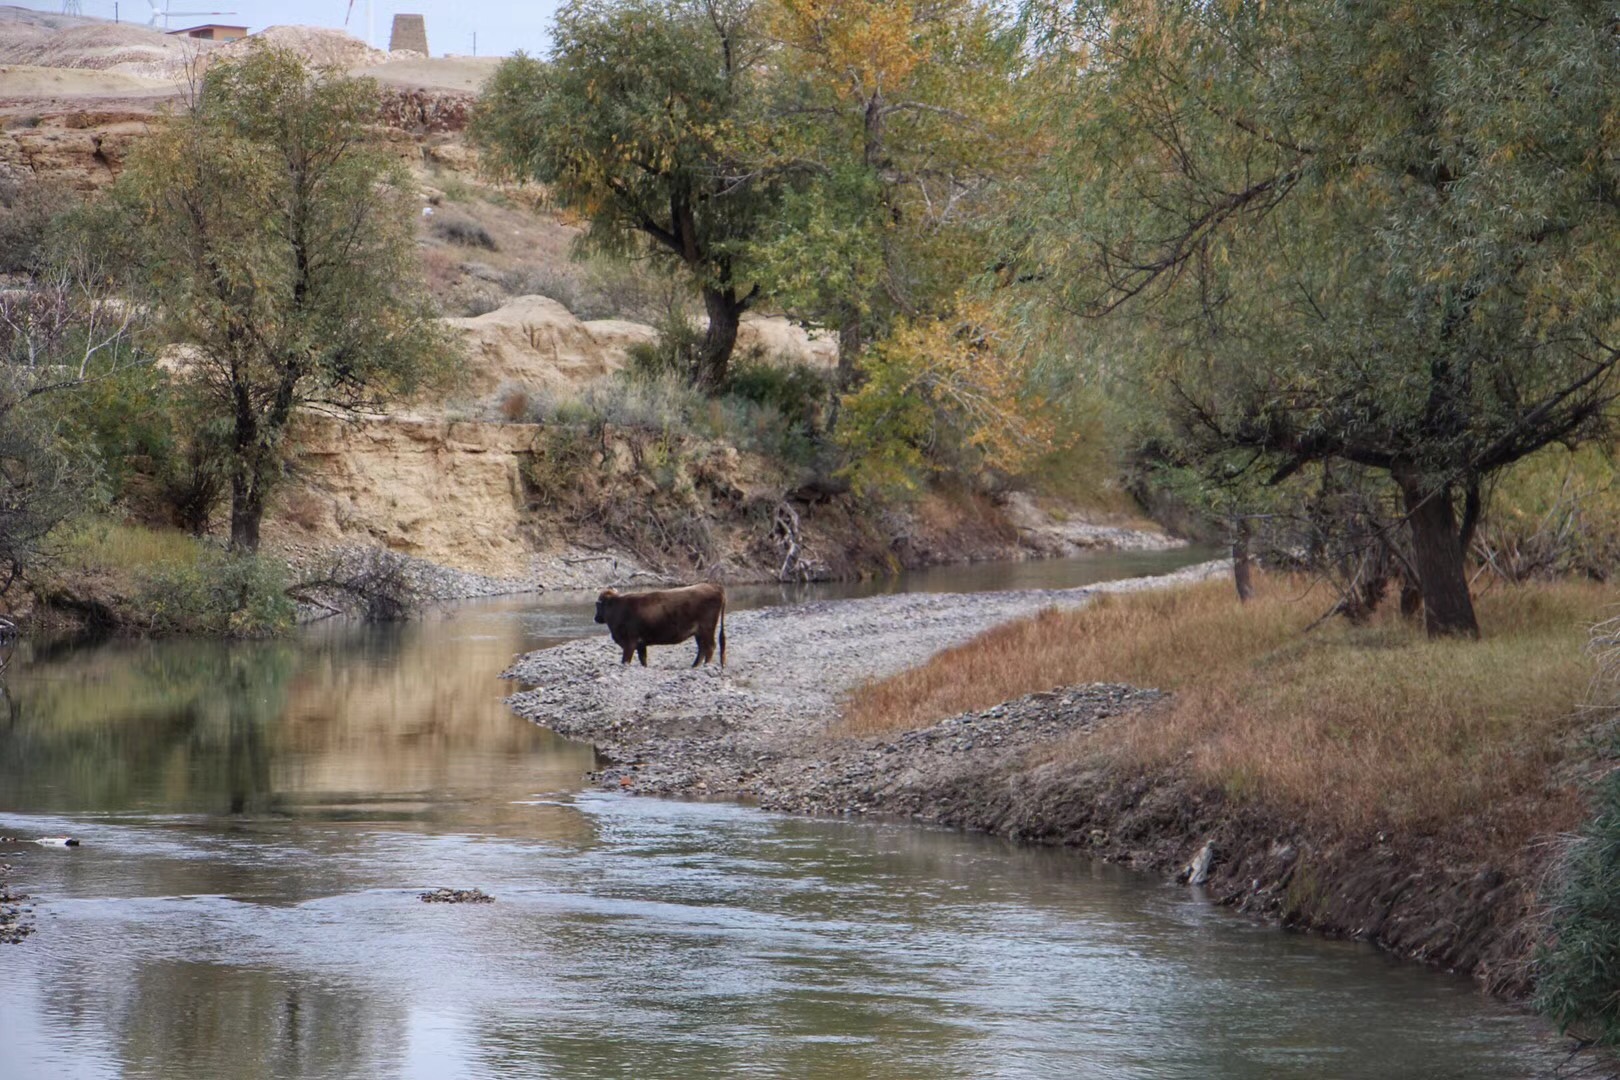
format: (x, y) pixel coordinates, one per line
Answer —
(457, 228)
(27, 212)
(454, 188)
(126, 418)
(515, 405)
(215, 592)
(1552, 515)
(163, 581)
(192, 487)
(470, 299)
(662, 403)
(797, 392)
(1578, 982)
(597, 288)
(758, 427)
(552, 472)
(675, 352)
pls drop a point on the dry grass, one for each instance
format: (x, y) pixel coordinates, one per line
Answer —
(1360, 726)
(102, 546)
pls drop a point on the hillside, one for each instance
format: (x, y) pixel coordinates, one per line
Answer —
(468, 479)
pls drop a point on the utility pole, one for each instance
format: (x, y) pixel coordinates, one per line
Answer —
(475, 43)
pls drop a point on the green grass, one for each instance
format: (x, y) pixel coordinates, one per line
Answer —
(164, 581)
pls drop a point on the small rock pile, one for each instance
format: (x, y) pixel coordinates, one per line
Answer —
(901, 775)
(456, 896)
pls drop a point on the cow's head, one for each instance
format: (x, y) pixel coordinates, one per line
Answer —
(602, 603)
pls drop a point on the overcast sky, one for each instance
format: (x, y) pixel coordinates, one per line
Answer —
(502, 27)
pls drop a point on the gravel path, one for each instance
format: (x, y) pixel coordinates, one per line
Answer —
(759, 728)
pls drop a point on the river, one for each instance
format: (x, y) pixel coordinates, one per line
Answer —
(257, 821)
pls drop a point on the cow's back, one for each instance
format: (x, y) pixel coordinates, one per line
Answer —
(670, 616)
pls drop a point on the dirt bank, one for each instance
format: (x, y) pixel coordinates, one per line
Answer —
(764, 730)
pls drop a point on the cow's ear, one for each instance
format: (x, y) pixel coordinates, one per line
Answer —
(608, 594)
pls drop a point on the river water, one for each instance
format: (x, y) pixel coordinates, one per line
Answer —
(258, 819)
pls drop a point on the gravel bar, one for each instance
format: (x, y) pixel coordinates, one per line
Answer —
(759, 729)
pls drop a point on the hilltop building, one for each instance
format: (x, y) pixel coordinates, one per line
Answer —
(409, 35)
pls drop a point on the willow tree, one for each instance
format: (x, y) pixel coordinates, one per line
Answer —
(1381, 234)
(644, 120)
(275, 234)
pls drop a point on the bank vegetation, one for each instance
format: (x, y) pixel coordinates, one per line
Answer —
(1359, 728)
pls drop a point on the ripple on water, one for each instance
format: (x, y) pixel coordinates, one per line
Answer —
(259, 821)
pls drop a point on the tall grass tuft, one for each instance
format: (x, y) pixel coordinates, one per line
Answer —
(164, 581)
(1360, 727)
(1578, 974)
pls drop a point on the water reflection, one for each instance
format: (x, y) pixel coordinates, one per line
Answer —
(390, 723)
(257, 821)
(690, 940)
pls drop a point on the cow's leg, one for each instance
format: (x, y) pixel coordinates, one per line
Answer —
(629, 650)
(705, 640)
(641, 654)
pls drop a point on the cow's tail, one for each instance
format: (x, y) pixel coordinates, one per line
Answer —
(722, 630)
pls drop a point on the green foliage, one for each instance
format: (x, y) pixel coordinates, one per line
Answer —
(947, 396)
(231, 594)
(1299, 210)
(799, 394)
(163, 581)
(782, 430)
(28, 209)
(274, 232)
(63, 339)
(123, 418)
(1578, 974)
(1554, 514)
(641, 120)
(44, 481)
(676, 350)
(887, 429)
(898, 119)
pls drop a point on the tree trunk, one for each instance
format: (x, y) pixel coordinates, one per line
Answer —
(1242, 567)
(725, 315)
(1448, 609)
(851, 338)
(247, 510)
(251, 478)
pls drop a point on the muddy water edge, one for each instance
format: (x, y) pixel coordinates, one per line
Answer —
(259, 820)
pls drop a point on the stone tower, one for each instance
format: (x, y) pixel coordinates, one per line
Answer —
(410, 32)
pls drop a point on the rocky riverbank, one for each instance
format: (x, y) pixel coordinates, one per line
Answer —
(766, 730)
(758, 728)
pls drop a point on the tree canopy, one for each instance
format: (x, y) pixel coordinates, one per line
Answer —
(902, 118)
(1380, 234)
(275, 235)
(645, 120)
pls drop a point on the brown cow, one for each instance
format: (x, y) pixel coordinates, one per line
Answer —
(665, 617)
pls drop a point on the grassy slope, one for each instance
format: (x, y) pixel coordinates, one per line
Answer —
(1354, 728)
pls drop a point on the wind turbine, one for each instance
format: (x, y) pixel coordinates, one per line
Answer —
(163, 13)
(371, 25)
